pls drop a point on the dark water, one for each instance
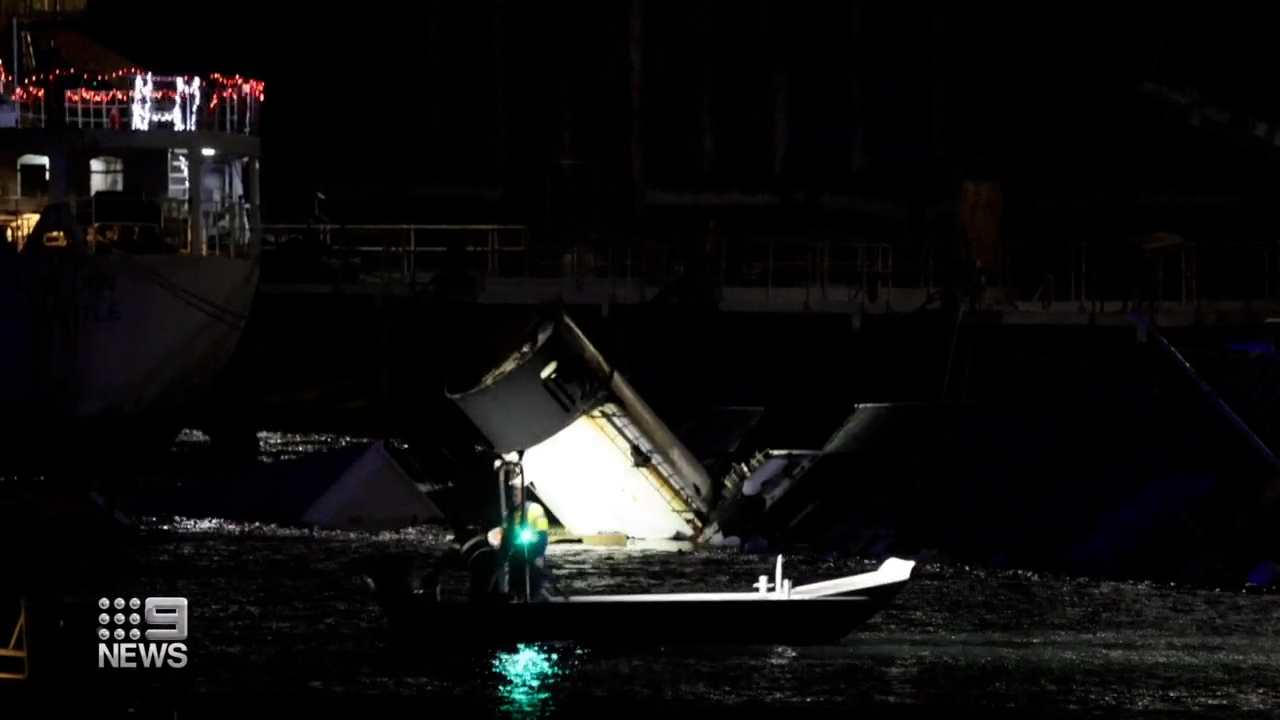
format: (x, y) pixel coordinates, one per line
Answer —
(286, 617)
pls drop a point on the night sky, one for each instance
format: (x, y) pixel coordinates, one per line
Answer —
(404, 97)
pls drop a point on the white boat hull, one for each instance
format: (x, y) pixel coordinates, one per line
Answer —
(825, 613)
(95, 341)
(890, 572)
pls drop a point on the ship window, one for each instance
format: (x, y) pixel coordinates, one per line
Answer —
(106, 174)
(33, 175)
(550, 370)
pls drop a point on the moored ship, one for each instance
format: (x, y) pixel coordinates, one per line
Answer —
(131, 226)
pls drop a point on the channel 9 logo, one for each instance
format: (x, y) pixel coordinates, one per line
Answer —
(124, 642)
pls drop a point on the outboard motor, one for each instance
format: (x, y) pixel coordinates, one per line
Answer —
(483, 565)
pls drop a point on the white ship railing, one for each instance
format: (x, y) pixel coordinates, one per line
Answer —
(1080, 276)
(229, 105)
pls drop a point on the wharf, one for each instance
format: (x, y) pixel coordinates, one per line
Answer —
(1088, 283)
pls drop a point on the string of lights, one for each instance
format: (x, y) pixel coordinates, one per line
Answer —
(86, 86)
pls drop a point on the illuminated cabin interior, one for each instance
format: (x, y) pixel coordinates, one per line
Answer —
(589, 477)
(591, 449)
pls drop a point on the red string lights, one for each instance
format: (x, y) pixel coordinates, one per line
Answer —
(221, 87)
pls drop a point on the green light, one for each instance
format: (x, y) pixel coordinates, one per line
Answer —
(526, 679)
(526, 536)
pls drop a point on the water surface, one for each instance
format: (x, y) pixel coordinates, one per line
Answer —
(287, 615)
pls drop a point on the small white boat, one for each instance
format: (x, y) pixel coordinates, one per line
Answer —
(774, 613)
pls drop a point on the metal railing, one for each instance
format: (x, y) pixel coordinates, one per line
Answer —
(399, 253)
(136, 101)
(227, 231)
(1093, 274)
(1090, 275)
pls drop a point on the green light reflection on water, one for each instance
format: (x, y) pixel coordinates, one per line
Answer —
(528, 674)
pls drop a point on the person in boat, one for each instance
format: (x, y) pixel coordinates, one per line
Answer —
(525, 537)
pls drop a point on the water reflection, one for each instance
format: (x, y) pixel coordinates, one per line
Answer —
(782, 656)
(527, 677)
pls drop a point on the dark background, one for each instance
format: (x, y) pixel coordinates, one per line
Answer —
(459, 102)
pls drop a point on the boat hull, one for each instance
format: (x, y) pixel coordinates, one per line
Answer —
(419, 622)
(114, 346)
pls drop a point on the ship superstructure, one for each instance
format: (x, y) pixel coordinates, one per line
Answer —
(130, 220)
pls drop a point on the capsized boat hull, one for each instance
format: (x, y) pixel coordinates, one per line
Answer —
(820, 617)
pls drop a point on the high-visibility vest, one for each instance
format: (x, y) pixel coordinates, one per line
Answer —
(535, 517)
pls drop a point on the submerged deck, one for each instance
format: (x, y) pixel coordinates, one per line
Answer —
(1088, 284)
